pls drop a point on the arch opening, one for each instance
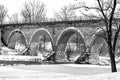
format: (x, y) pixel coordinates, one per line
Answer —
(70, 45)
(4, 36)
(99, 47)
(17, 41)
(41, 43)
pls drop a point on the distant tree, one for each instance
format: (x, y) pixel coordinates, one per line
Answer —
(3, 13)
(34, 11)
(105, 10)
(13, 18)
(66, 13)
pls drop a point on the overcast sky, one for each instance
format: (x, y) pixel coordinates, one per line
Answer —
(15, 6)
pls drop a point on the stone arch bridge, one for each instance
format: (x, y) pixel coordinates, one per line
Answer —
(58, 33)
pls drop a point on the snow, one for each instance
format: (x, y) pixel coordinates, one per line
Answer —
(90, 66)
(8, 73)
(19, 58)
(19, 47)
(11, 73)
(19, 50)
(106, 60)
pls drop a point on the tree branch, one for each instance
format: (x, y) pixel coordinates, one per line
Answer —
(116, 37)
(105, 18)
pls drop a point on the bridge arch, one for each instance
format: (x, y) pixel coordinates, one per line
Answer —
(16, 36)
(65, 35)
(98, 44)
(36, 38)
(98, 37)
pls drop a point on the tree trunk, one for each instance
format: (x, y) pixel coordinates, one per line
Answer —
(112, 59)
(113, 63)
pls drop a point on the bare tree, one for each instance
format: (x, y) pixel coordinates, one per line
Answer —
(106, 10)
(34, 11)
(3, 13)
(66, 13)
(13, 18)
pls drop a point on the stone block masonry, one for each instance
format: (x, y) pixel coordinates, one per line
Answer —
(87, 28)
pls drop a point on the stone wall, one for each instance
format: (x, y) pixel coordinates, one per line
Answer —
(86, 31)
(55, 31)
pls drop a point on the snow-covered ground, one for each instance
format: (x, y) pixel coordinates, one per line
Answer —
(10, 73)
(20, 58)
(55, 72)
(90, 66)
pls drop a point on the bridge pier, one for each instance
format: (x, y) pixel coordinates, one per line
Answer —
(94, 55)
(53, 56)
(55, 52)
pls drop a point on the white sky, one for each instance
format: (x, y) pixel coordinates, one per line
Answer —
(15, 6)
